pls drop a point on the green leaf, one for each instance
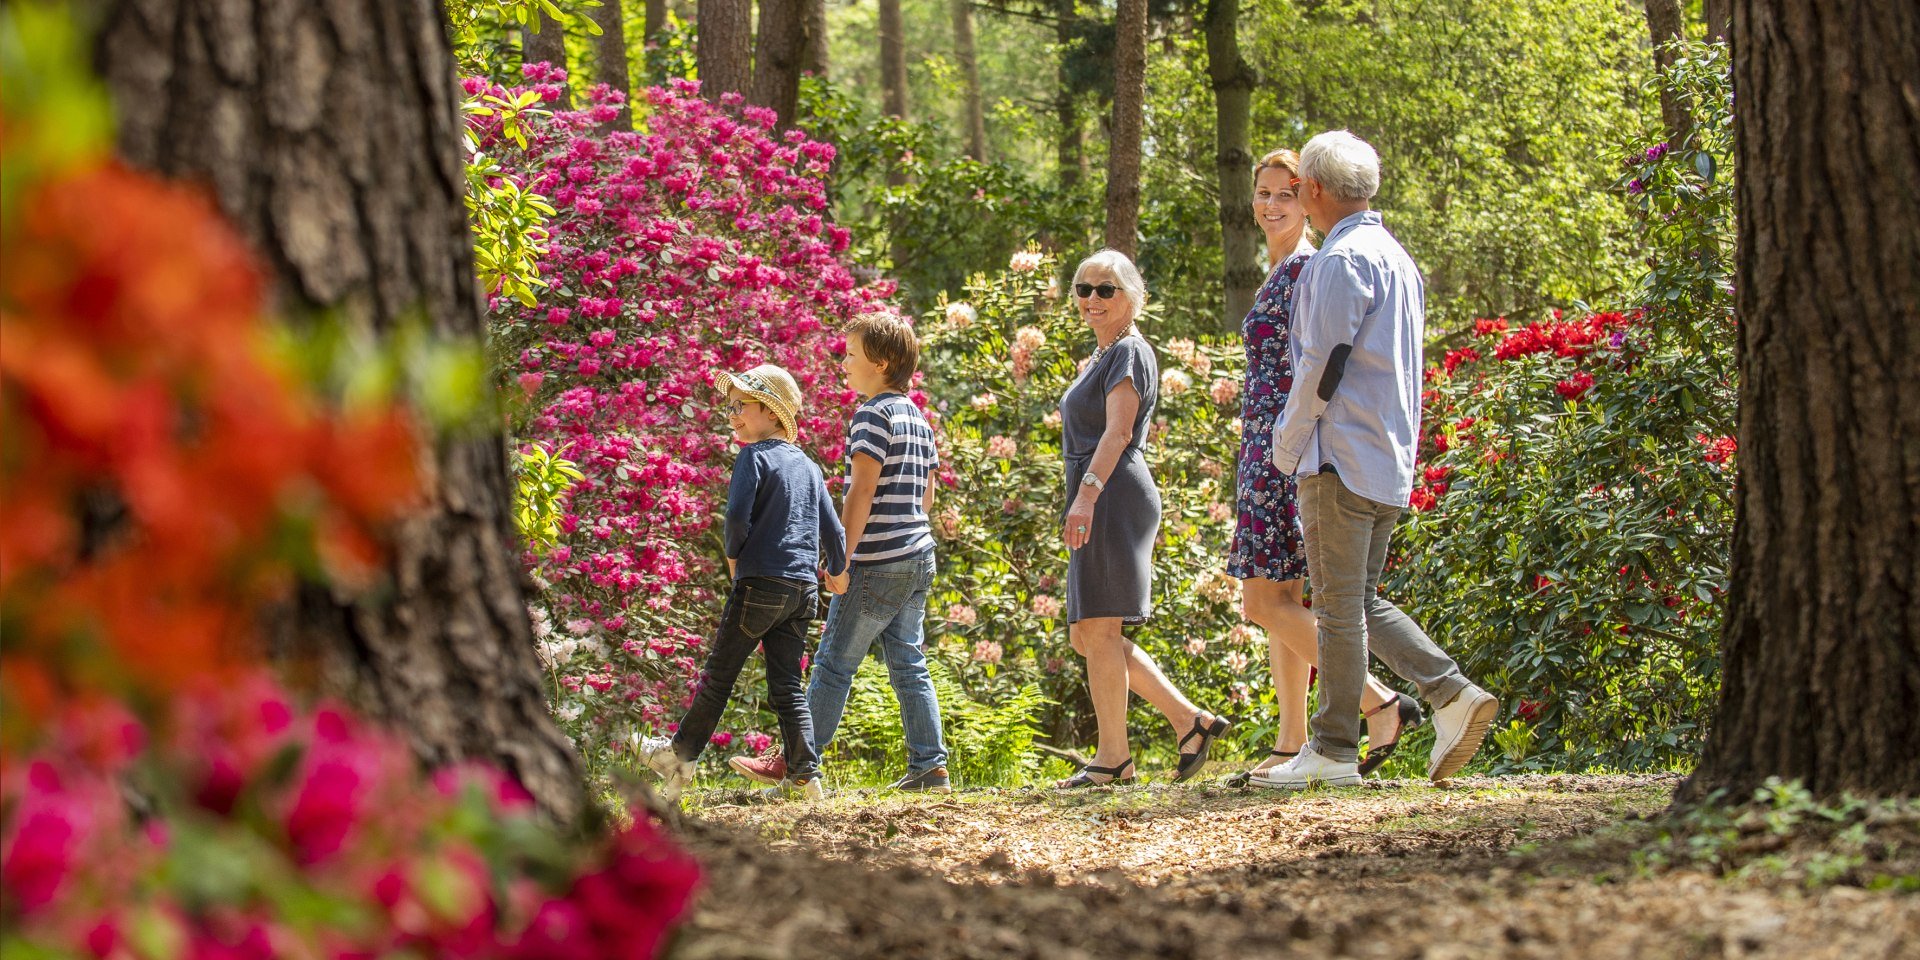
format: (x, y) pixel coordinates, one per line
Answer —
(1703, 164)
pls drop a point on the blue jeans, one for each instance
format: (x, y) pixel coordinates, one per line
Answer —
(885, 601)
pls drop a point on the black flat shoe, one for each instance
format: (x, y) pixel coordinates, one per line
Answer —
(1245, 777)
(1081, 781)
(1190, 763)
(1410, 719)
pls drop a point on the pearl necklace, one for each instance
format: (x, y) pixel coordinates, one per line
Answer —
(1099, 349)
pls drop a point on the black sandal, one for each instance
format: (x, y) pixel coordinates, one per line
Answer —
(1080, 781)
(1410, 719)
(1190, 763)
(1245, 777)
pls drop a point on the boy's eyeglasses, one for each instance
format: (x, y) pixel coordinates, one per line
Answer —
(738, 407)
(1105, 290)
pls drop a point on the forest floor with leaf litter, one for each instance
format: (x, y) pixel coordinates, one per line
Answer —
(1535, 866)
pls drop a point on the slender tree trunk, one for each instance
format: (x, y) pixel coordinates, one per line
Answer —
(777, 55)
(1821, 648)
(610, 50)
(970, 77)
(1123, 148)
(656, 20)
(813, 56)
(1240, 240)
(1664, 25)
(328, 133)
(893, 60)
(1719, 15)
(1072, 152)
(549, 43)
(723, 56)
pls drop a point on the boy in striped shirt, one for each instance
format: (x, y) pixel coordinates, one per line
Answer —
(883, 594)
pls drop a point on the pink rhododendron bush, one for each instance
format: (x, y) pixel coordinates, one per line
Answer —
(694, 244)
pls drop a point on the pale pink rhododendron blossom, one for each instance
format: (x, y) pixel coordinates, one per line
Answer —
(987, 651)
(1002, 448)
(1046, 605)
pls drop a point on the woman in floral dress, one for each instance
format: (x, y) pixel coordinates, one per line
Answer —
(1269, 551)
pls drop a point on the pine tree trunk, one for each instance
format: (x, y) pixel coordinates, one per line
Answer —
(723, 55)
(548, 44)
(328, 133)
(776, 57)
(813, 56)
(893, 60)
(1240, 239)
(656, 19)
(1664, 27)
(1123, 146)
(610, 52)
(970, 78)
(1821, 648)
(1719, 16)
(1072, 152)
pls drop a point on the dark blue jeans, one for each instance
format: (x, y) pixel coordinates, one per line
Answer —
(772, 614)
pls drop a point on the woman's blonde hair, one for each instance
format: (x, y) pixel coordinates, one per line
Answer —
(1282, 159)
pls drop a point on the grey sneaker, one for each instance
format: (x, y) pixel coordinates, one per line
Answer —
(675, 773)
(810, 788)
(931, 781)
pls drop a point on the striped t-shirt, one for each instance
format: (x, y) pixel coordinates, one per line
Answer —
(890, 429)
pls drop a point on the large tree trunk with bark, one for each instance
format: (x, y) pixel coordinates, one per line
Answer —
(610, 51)
(1240, 239)
(777, 57)
(813, 56)
(1821, 648)
(1072, 148)
(329, 134)
(656, 14)
(970, 78)
(1123, 147)
(893, 60)
(1664, 25)
(1719, 17)
(723, 55)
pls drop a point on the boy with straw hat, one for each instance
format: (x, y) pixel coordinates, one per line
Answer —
(780, 527)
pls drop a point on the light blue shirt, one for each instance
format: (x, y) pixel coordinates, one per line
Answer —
(1362, 417)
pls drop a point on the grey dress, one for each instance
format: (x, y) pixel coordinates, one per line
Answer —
(1112, 576)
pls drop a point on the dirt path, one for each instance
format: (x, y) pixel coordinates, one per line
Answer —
(1511, 867)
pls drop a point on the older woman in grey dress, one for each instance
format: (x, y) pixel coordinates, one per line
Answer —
(1111, 523)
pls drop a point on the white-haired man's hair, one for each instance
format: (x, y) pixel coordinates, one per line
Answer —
(1126, 276)
(1343, 163)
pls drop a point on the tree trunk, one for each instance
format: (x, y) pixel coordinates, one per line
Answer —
(893, 60)
(1664, 26)
(1072, 153)
(970, 78)
(1821, 648)
(813, 56)
(1719, 15)
(1123, 149)
(548, 44)
(656, 20)
(1240, 239)
(777, 55)
(328, 133)
(723, 54)
(610, 52)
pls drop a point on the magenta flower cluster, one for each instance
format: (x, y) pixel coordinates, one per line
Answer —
(695, 244)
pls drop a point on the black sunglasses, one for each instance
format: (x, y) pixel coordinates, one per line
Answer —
(1105, 290)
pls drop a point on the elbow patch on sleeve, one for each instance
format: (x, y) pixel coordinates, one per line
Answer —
(1336, 368)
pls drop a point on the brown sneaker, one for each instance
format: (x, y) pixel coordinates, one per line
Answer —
(769, 768)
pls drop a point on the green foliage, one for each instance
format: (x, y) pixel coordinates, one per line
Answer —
(479, 28)
(541, 486)
(1578, 559)
(1784, 832)
(59, 113)
(508, 221)
(988, 743)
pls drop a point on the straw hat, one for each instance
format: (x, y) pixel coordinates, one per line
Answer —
(775, 390)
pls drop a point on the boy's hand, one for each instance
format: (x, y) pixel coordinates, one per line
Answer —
(837, 585)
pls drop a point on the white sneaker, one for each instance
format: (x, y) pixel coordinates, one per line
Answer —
(812, 788)
(675, 773)
(1458, 730)
(1307, 769)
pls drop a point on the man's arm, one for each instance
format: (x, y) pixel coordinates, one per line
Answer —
(1342, 293)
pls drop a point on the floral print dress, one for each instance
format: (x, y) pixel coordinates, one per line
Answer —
(1267, 539)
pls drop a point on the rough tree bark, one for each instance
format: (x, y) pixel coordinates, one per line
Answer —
(328, 133)
(777, 56)
(1719, 16)
(549, 44)
(723, 56)
(1072, 152)
(970, 77)
(1233, 80)
(656, 14)
(1821, 648)
(893, 60)
(813, 56)
(1123, 147)
(1664, 25)
(610, 51)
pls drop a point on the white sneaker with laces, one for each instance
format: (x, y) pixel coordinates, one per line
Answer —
(675, 773)
(1458, 730)
(812, 788)
(1306, 769)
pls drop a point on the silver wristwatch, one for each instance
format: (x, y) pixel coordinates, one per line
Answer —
(1090, 480)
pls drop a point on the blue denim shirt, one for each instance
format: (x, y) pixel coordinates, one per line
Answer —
(1359, 320)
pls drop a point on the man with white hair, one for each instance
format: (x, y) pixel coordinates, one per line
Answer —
(1348, 434)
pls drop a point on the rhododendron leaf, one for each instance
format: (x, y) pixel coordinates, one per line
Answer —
(1703, 164)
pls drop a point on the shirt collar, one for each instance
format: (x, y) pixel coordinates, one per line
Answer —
(1352, 220)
